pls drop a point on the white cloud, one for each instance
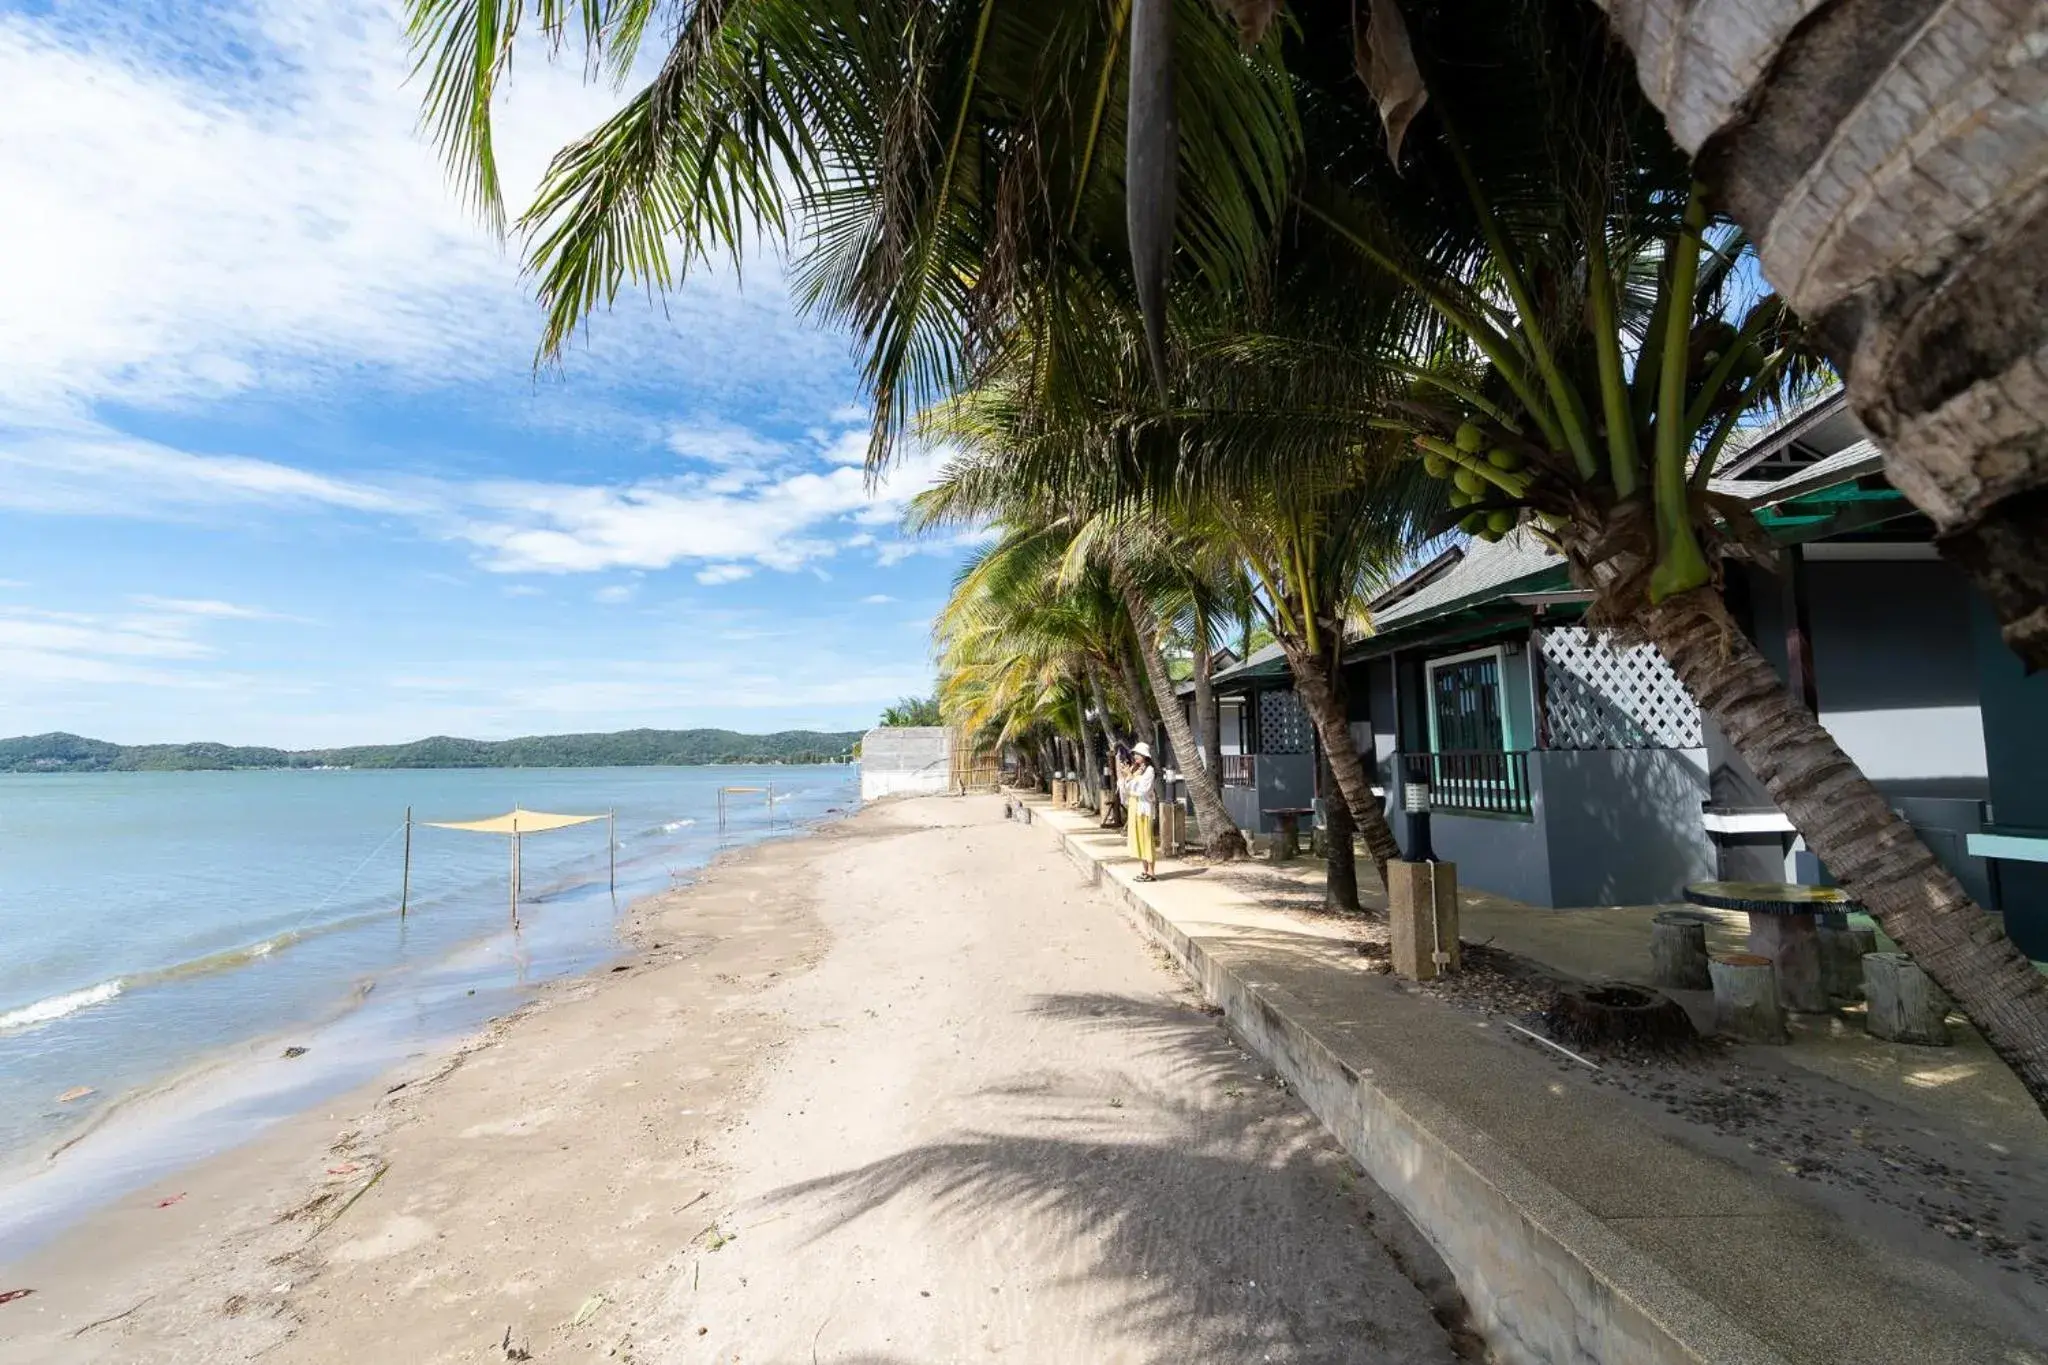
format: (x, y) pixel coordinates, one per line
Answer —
(877, 599)
(723, 443)
(614, 593)
(42, 652)
(207, 607)
(786, 523)
(243, 202)
(714, 574)
(848, 448)
(85, 469)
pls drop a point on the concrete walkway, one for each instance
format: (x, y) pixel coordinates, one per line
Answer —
(1580, 1229)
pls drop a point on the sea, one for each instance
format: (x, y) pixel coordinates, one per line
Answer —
(186, 958)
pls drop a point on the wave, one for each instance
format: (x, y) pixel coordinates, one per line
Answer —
(56, 1007)
(672, 826)
(52, 1008)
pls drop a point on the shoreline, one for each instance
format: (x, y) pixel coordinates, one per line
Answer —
(251, 1195)
(898, 1091)
(221, 1100)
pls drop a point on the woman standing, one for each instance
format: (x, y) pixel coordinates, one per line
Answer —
(1140, 787)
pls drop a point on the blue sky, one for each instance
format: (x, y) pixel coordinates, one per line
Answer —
(275, 466)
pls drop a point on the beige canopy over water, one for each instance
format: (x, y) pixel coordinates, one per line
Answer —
(517, 821)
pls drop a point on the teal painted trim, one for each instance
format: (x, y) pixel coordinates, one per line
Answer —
(2019, 848)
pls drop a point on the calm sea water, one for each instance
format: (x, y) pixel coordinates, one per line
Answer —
(150, 922)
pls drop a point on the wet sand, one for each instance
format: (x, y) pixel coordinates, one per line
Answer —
(903, 1091)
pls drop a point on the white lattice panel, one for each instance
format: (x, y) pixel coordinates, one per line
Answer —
(1598, 697)
(1283, 725)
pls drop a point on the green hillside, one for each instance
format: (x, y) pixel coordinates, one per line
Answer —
(62, 753)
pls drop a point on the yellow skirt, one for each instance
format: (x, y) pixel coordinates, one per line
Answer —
(1139, 829)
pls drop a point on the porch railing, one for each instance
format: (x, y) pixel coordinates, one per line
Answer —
(1475, 781)
(1239, 770)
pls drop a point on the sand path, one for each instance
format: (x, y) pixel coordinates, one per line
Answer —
(902, 1094)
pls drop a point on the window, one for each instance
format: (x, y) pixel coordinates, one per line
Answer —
(1465, 703)
(1470, 769)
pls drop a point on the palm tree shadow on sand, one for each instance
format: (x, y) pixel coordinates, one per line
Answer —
(1233, 1229)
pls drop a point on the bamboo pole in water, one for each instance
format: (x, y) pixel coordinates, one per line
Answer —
(405, 877)
(515, 874)
(611, 836)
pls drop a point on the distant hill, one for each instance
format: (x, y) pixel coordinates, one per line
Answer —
(62, 753)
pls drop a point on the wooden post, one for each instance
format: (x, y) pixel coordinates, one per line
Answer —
(1905, 1006)
(611, 836)
(1678, 952)
(405, 877)
(1746, 998)
(1422, 919)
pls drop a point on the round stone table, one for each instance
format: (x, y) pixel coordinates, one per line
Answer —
(1784, 926)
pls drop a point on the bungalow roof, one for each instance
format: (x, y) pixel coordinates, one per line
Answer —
(1781, 464)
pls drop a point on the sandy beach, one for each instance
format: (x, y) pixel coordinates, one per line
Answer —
(901, 1091)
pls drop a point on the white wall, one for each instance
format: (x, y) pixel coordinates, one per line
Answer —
(898, 760)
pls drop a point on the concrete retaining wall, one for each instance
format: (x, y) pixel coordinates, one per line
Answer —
(905, 760)
(1546, 1282)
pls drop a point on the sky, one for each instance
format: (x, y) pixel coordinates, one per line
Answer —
(276, 466)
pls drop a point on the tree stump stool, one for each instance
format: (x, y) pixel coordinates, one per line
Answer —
(1746, 998)
(1905, 1004)
(1678, 951)
(1842, 950)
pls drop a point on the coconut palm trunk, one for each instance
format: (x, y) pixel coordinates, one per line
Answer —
(1852, 828)
(1208, 720)
(1321, 689)
(1112, 799)
(1889, 161)
(1091, 765)
(1340, 859)
(1220, 836)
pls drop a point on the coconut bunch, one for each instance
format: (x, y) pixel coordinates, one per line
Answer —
(1489, 477)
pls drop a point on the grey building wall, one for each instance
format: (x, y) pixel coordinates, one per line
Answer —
(1623, 824)
(1379, 691)
(1895, 666)
(1506, 857)
(2016, 716)
(1284, 780)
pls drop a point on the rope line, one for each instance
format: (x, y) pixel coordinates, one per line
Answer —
(343, 884)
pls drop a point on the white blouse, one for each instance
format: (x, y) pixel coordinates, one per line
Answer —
(1139, 788)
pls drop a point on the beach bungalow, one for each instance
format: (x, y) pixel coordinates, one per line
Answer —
(1566, 772)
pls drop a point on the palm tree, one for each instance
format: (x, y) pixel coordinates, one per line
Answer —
(956, 167)
(1818, 128)
(1013, 665)
(1593, 339)
(1056, 599)
(1143, 567)
(1315, 544)
(1889, 160)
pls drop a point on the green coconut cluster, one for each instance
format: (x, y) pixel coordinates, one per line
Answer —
(1486, 476)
